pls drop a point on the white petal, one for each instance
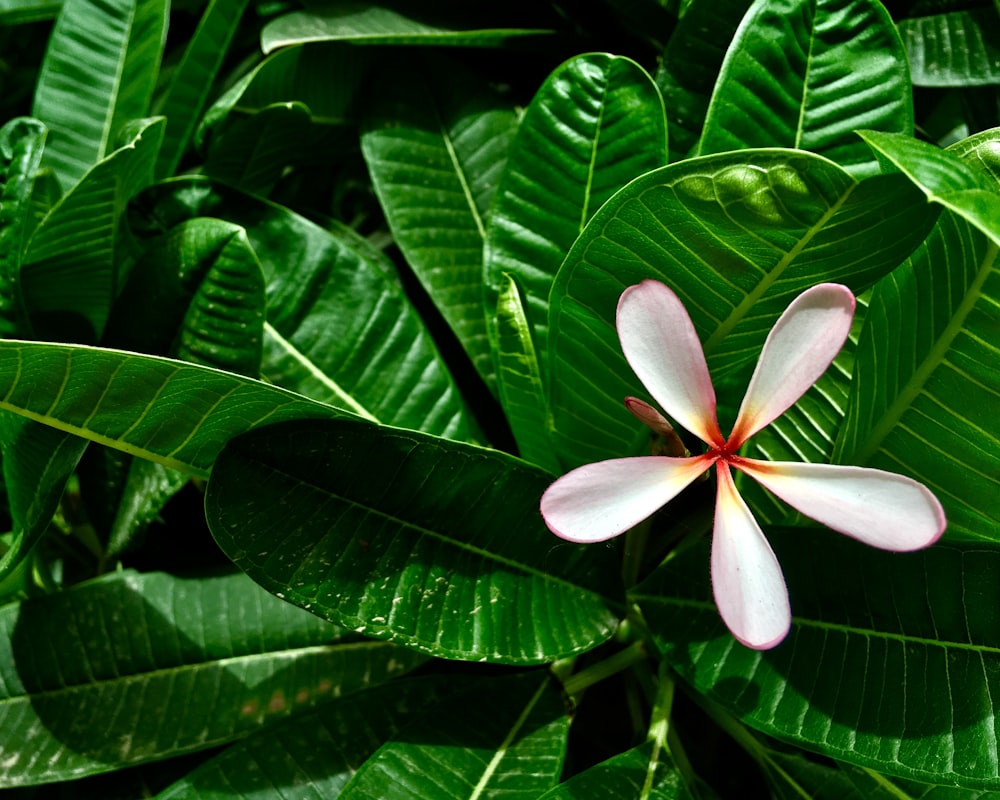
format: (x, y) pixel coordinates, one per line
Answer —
(747, 582)
(662, 347)
(799, 348)
(599, 501)
(879, 508)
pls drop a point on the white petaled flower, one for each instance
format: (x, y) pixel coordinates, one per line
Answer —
(602, 500)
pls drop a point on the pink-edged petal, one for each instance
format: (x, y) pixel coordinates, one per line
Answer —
(799, 348)
(747, 582)
(599, 501)
(662, 347)
(879, 508)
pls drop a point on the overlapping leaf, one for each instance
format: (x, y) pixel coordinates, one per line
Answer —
(959, 48)
(99, 72)
(435, 140)
(737, 236)
(624, 777)
(134, 668)
(512, 747)
(807, 74)
(177, 414)
(445, 552)
(892, 660)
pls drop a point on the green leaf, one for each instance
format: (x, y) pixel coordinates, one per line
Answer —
(690, 66)
(69, 275)
(445, 553)
(512, 747)
(960, 48)
(595, 124)
(623, 777)
(795, 776)
(946, 178)
(873, 786)
(18, 12)
(737, 236)
(134, 668)
(891, 662)
(194, 78)
(522, 393)
(317, 751)
(435, 140)
(340, 330)
(99, 72)
(21, 143)
(371, 23)
(807, 74)
(174, 413)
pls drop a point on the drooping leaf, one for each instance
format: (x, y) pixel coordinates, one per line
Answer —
(513, 747)
(737, 236)
(623, 777)
(340, 329)
(891, 662)
(519, 377)
(446, 553)
(435, 140)
(133, 668)
(69, 275)
(807, 74)
(177, 414)
(958, 48)
(595, 124)
(193, 79)
(382, 23)
(99, 72)
(315, 753)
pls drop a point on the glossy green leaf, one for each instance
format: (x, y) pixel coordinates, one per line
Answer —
(194, 78)
(959, 48)
(435, 140)
(891, 663)
(134, 668)
(623, 777)
(796, 776)
(69, 274)
(314, 754)
(512, 747)
(381, 23)
(522, 393)
(737, 236)
(446, 553)
(690, 66)
(595, 124)
(807, 74)
(21, 143)
(340, 329)
(99, 73)
(177, 414)
(872, 785)
(960, 185)
(17, 12)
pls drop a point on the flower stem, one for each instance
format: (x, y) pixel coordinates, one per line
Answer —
(575, 685)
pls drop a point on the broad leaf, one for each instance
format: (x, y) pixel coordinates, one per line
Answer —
(960, 48)
(133, 668)
(177, 414)
(807, 74)
(512, 747)
(435, 140)
(595, 124)
(624, 777)
(382, 23)
(794, 776)
(891, 663)
(99, 72)
(317, 751)
(193, 79)
(70, 271)
(737, 236)
(446, 553)
(340, 329)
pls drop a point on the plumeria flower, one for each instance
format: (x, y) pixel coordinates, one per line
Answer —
(598, 501)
